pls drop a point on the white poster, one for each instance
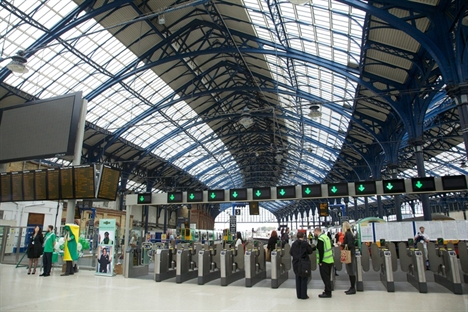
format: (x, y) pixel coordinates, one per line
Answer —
(366, 233)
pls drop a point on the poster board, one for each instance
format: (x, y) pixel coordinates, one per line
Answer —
(105, 252)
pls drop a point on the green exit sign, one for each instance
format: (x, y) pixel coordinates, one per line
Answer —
(312, 190)
(286, 191)
(365, 188)
(215, 195)
(194, 196)
(261, 193)
(394, 186)
(424, 184)
(238, 194)
(338, 189)
(174, 197)
(144, 198)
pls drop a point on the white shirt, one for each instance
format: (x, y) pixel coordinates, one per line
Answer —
(238, 242)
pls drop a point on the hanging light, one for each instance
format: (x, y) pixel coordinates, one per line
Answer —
(298, 2)
(315, 111)
(246, 120)
(18, 63)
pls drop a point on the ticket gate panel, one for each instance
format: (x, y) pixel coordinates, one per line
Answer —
(229, 271)
(185, 269)
(164, 264)
(386, 272)
(405, 257)
(253, 272)
(358, 268)
(463, 255)
(279, 271)
(337, 258)
(392, 248)
(313, 260)
(434, 260)
(365, 258)
(239, 258)
(376, 258)
(286, 257)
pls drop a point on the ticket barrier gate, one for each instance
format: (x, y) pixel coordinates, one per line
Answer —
(255, 264)
(209, 259)
(463, 255)
(384, 259)
(362, 264)
(187, 260)
(412, 262)
(444, 264)
(232, 266)
(280, 265)
(164, 262)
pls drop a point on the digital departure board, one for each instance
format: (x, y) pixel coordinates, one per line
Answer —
(108, 183)
(313, 190)
(261, 193)
(452, 183)
(194, 196)
(216, 195)
(84, 181)
(238, 194)
(66, 183)
(323, 210)
(286, 191)
(5, 187)
(16, 186)
(40, 184)
(28, 185)
(254, 209)
(144, 198)
(53, 184)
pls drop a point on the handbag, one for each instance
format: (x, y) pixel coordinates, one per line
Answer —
(268, 255)
(304, 265)
(345, 255)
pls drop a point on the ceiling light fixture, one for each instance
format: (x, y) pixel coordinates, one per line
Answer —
(315, 111)
(298, 2)
(161, 19)
(18, 63)
(246, 120)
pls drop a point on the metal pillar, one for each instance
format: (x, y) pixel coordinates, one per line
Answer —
(459, 94)
(366, 205)
(379, 206)
(397, 198)
(77, 157)
(418, 153)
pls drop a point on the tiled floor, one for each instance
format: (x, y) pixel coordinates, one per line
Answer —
(86, 292)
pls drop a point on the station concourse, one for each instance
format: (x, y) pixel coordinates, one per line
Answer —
(314, 112)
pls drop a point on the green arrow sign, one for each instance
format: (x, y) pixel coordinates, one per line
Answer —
(334, 189)
(192, 196)
(419, 184)
(142, 198)
(361, 188)
(258, 193)
(307, 191)
(172, 197)
(282, 192)
(213, 195)
(234, 194)
(389, 186)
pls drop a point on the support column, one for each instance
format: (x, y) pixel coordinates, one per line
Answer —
(379, 206)
(459, 94)
(397, 198)
(77, 157)
(356, 212)
(418, 154)
(366, 206)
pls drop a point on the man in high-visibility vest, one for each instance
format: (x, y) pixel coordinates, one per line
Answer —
(324, 260)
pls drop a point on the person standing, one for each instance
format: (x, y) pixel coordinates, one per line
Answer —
(238, 240)
(348, 242)
(49, 244)
(324, 260)
(70, 251)
(300, 249)
(424, 239)
(34, 250)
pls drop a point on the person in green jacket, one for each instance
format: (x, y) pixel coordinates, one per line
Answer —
(49, 244)
(70, 250)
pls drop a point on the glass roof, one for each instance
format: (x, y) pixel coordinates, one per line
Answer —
(331, 31)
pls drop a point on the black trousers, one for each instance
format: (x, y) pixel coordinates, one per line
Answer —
(301, 287)
(325, 271)
(69, 268)
(47, 262)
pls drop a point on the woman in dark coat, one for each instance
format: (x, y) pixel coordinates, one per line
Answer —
(300, 249)
(350, 267)
(272, 241)
(35, 248)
